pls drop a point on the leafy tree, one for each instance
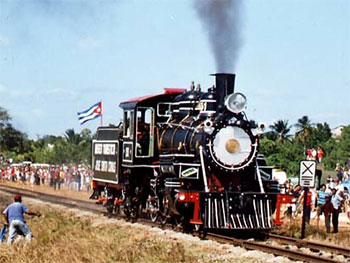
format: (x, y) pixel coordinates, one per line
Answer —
(13, 140)
(271, 135)
(72, 137)
(71, 148)
(4, 117)
(281, 129)
(267, 146)
(284, 155)
(337, 150)
(86, 133)
(321, 134)
(304, 130)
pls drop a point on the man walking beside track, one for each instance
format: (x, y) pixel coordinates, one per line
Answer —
(321, 201)
(337, 202)
(14, 217)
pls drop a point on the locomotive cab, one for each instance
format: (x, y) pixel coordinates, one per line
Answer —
(140, 134)
(124, 157)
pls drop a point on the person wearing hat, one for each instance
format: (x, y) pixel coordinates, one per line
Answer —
(14, 217)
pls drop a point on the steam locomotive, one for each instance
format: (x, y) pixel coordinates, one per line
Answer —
(189, 157)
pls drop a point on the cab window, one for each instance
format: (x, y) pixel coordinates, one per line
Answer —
(128, 130)
(164, 109)
(145, 132)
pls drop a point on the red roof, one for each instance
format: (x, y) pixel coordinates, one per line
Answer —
(166, 91)
(173, 90)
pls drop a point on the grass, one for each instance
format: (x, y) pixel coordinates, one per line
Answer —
(64, 236)
(314, 233)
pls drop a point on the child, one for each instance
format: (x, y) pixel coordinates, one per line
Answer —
(328, 209)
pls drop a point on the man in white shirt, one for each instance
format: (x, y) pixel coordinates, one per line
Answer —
(337, 201)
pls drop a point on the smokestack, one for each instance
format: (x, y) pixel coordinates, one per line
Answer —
(224, 83)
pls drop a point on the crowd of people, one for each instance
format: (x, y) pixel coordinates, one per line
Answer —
(316, 155)
(73, 177)
(328, 199)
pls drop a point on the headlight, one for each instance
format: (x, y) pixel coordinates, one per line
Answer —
(182, 196)
(236, 102)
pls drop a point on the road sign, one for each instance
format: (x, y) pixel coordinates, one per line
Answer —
(307, 173)
(307, 179)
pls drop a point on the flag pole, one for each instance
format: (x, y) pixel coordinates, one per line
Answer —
(101, 113)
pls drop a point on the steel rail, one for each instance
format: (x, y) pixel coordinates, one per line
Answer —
(62, 200)
(310, 244)
(251, 245)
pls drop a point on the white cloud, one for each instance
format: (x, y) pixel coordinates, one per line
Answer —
(89, 43)
(19, 93)
(265, 92)
(4, 41)
(3, 89)
(60, 91)
(37, 113)
(23, 92)
(11, 92)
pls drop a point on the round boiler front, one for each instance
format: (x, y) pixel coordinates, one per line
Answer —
(232, 147)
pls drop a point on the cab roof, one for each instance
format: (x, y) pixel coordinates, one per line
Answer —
(168, 92)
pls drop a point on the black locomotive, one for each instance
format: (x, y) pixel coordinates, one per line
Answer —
(189, 157)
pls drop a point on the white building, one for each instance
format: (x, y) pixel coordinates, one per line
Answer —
(336, 132)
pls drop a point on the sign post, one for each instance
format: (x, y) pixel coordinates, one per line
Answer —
(306, 179)
(306, 190)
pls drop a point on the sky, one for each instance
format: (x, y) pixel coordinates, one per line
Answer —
(59, 57)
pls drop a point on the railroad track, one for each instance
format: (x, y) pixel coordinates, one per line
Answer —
(74, 203)
(276, 250)
(313, 245)
(247, 244)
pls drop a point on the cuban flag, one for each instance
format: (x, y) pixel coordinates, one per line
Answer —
(91, 113)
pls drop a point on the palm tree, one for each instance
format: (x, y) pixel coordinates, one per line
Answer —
(76, 146)
(281, 129)
(4, 115)
(304, 129)
(72, 137)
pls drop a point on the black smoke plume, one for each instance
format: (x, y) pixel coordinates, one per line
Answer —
(222, 20)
